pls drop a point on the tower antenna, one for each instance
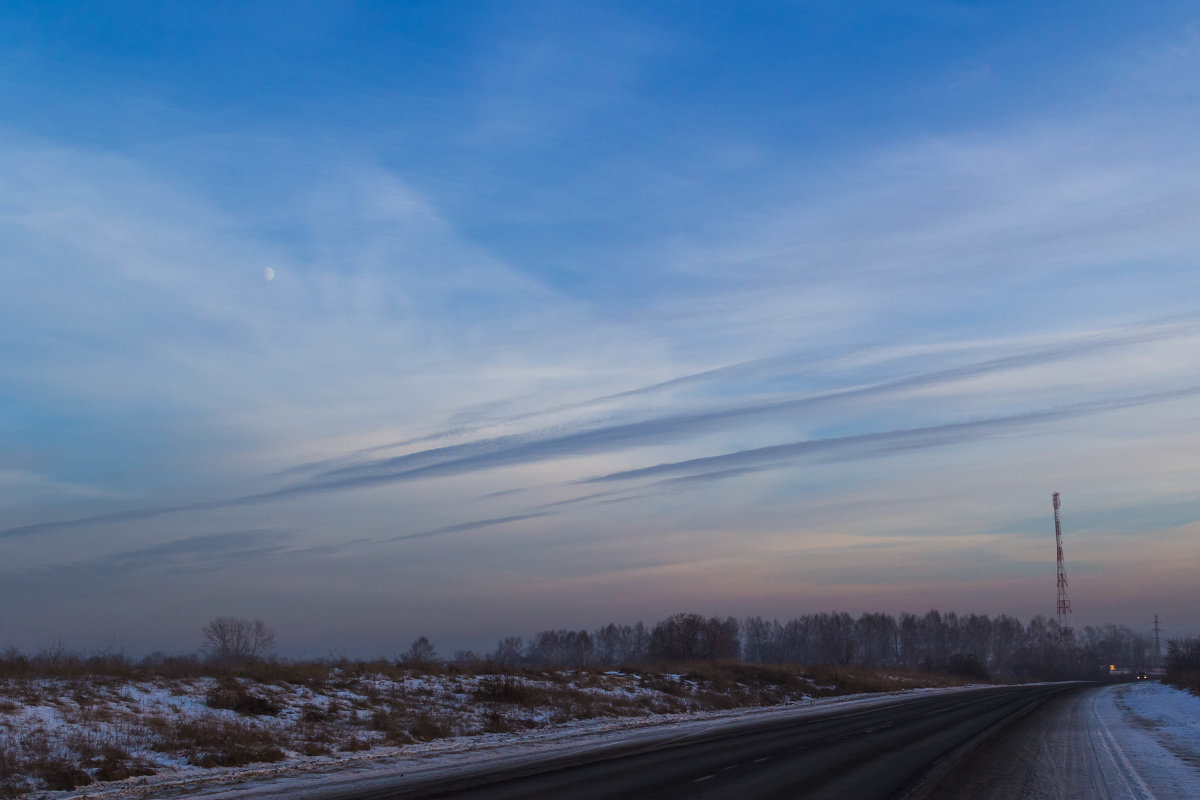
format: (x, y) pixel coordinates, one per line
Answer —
(1064, 602)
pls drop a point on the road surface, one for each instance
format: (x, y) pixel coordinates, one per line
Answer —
(921, 748)
(1081, 745)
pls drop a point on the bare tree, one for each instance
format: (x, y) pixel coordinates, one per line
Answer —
(1183, 656)
(420, 654)
(508, 652)
(234, 640)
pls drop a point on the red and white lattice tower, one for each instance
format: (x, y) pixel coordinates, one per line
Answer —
(1064, 602)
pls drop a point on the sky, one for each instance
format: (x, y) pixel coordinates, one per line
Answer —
(378, 320)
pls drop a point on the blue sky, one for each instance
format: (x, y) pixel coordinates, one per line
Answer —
(592, 312)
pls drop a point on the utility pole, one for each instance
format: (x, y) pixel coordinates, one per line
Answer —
(1064, 602)
(1157, 651)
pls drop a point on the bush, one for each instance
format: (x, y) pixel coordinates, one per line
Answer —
(117, 765)
(392, 722)
(507, 689)
(967, 665)
(496, 722)
(426, 726)
(232, 695)
(9, 765)
(62, 776)
(355, 745)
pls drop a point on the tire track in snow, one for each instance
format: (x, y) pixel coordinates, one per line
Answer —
(1108, 751)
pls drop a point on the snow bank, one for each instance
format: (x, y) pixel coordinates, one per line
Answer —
(1155, 731)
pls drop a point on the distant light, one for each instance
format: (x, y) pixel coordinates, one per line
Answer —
(1112, 667)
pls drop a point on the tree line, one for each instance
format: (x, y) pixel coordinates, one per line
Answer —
(975, 645)
(971, 645)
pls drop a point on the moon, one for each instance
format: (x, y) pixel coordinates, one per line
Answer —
(269, 274)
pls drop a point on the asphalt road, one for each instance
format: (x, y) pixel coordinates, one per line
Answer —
(878, 752)
(1061, 751)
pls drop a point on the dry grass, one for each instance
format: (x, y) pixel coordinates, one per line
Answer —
(512, 690)
(401, 724)
(216, 742)
(835, 681)
(35, 760)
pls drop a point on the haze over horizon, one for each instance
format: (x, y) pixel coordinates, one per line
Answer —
(379, 320)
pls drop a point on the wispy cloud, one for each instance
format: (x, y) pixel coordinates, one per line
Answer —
(189, 554)
(868, 445)
(538, 446)
(463, 527)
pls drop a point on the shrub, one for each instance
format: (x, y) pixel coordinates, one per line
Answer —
(425, 727)
(967, 665)
(355, 745)
(495, 722)
(61, 775)
(232, 695)
(8, 762)
(116, 765)
(507, 689)
(392, 722)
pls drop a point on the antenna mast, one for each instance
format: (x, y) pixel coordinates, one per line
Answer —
(1064, 602)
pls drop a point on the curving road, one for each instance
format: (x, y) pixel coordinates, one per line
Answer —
(918, 747)
(1065, 750)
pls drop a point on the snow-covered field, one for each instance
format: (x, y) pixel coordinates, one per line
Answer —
(92, 734)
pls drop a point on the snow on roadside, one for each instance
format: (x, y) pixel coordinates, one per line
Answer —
(66, 733)
(1156, 730)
